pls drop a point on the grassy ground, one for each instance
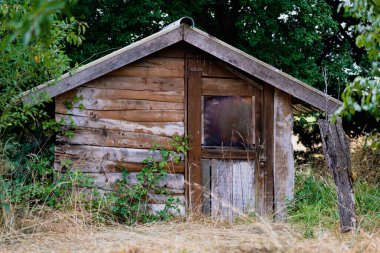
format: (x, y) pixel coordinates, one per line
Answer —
(313, 224)
(60, 232)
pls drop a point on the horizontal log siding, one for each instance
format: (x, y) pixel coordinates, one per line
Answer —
(119, 116)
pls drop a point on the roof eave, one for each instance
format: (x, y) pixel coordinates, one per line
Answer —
(106, 64)
(261, 70)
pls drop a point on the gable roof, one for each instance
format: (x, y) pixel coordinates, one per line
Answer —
(183, 30)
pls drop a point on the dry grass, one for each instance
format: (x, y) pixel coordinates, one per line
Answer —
(71, 232)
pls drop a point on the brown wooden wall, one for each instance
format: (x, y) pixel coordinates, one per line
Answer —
(121, 115)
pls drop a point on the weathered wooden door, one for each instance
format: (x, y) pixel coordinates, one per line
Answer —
(223, 113)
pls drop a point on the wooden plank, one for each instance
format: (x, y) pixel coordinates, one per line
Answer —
(226, 87)
(114, 138)
(241, 75)
(221, 189)
(259, 139)
(106, 64)
(131, 115)
(137, 83)
(120, 104)
(206, 186)
(154, 198)
(156, 128)
(100, 165)
(269, 150)
(178, 210)
(152, 67)
(211, 67)
(284, 172)
(194, 130)
(243, 194)
(174, 183)
(165, 96)
(336, 149)
(234, 154)
(260, 70)
(108, 153)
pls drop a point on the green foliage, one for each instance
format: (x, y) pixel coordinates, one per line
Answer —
(32, 42)
(363, 94)
(299, 37)
(306, 127)
(129, 202)
(30, 181)
(315, 204)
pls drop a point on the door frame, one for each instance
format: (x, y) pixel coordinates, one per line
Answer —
(263, 150)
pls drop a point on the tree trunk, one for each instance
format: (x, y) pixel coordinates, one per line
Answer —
(336, 149)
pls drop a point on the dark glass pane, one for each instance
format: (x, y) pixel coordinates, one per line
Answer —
(227, 121)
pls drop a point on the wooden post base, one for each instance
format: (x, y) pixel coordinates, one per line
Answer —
(336, 149)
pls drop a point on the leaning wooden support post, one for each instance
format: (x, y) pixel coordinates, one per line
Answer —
(336, 149)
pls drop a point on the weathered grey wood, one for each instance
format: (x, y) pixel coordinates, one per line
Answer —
(130, 115)
(201, 40)
(121, 104)
(243, 195)
(150, 204)
(178, 210)
(260, 70)
(165, 96)
(221, 189)
(108, 153)
(206, 186)
(336, 148)
(174, 183)
(152, 67)
(114, 138)
(241, 75)
(78, 163)
(224, 86)
(162, 199)
(156, 128)
(137, 83)
(107, 64)
(284, 171)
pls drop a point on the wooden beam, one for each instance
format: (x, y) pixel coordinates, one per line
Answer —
(269, 150)
(194, 130)
(336, 148)
(284, 172)
(233, 154)
(106, 64)
(260, 70)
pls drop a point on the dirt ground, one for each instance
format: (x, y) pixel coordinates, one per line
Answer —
(72, 234)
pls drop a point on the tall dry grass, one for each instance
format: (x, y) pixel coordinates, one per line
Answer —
(45, 230)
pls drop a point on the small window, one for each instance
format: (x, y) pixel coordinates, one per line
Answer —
(227, 121)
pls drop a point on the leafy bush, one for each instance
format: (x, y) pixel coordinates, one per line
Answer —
(32, 181)
(129, 202)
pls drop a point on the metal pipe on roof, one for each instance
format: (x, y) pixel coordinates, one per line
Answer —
(184, 20)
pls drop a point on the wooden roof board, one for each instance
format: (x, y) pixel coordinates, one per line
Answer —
(106, 64)
(201, 40)
(261, 70)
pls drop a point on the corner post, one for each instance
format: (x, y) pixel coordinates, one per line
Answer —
(336, 149)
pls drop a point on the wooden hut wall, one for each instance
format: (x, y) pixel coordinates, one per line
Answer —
(283, 152)
(120, 116)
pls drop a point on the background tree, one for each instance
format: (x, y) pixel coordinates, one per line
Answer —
(297, 36)
(33, 38)
(363, 94)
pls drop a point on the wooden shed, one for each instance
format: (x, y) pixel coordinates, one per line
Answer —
(237, 110)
